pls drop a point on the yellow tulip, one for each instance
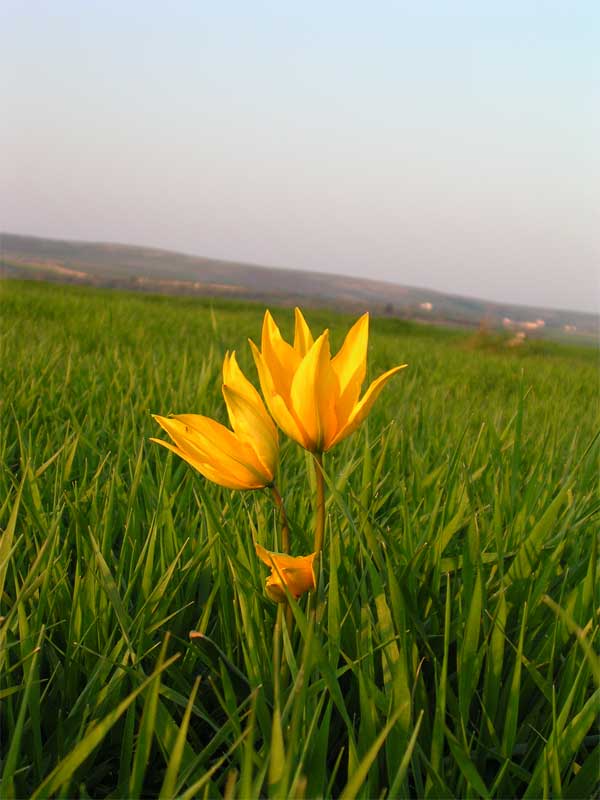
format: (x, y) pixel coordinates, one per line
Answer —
(294, 572)
(245, 458)
(314, 398)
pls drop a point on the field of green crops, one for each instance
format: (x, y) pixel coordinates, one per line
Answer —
(453, 649)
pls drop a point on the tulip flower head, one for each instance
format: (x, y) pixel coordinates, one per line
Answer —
(314, 398)
(244, 458)
(294, 572)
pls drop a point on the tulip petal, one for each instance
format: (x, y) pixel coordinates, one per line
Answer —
(274, 589)
(247, 414)
(296, 573)
(208, 441)
(275, 403)
(300, 578)
(346, 402)
(303, 339)
(350, 363)
(204, 433)
(280, 357)
(313, 394)
(283, 560)
(350, 367)
(221, 477)
(254, 427)
(363, 407)
(236, 380)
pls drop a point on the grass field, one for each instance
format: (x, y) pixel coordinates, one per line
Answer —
(454, 650)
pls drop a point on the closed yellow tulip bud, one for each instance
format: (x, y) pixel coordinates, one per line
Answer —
(294, 572)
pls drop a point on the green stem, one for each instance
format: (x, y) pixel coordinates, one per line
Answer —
(285, 531)
(278, 663)
(320, 510)
(285, 548)
(317, 609)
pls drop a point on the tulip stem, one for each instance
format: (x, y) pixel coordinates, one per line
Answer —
(277, 656)
(320, 515)
(285, 531)
(285, 547)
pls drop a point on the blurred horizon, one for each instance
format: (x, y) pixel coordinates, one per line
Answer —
(54, 263)
(452, 147)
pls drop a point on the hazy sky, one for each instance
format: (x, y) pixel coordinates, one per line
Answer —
(447, 144)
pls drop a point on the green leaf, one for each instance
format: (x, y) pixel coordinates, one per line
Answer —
(359, 775)
(582, 641)
(469, 660)
(65, 769)
(170, 780)
(400, 776)
(527, 557)
(6, 541)
(512, 703)
(466, 766)
(437, 737)
(146, 729)
(7, 788)
(568, 743)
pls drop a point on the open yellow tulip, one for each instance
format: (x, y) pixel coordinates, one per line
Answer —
(294, 572)
(245, 458)
(315, 398)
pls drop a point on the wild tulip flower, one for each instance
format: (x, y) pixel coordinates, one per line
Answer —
(314, 398)
(245, 458)
(294, 572)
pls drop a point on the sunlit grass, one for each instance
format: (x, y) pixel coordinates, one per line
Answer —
(456, 654)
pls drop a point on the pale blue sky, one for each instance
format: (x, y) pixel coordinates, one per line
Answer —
(452, 145)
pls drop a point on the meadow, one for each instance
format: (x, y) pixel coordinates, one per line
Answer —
(454, 650)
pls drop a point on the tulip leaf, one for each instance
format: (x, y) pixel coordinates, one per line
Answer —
(528, 553)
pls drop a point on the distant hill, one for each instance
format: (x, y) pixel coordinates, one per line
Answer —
(153, 270)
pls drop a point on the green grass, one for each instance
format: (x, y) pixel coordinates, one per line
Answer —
(455, 651)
